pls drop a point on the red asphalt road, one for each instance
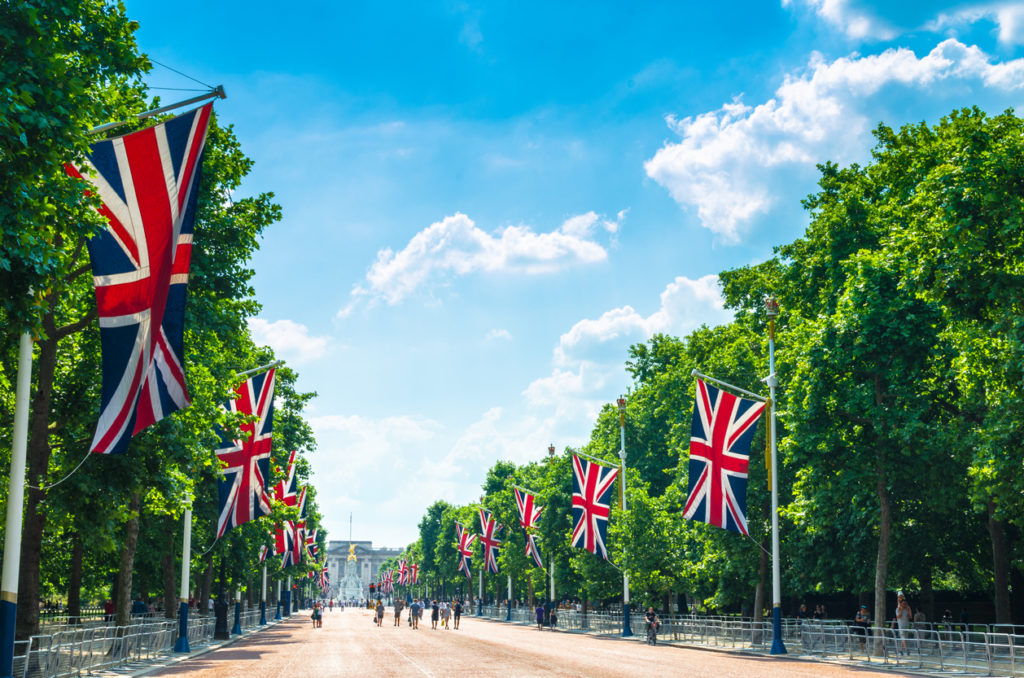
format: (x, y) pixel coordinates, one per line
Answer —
(350, 644)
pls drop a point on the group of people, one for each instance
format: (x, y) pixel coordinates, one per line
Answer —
(441, 612)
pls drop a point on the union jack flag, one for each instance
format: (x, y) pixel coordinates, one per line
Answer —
(403, 573)
(244, 476)
(298, 528)
(591, 497)
(532, 550)
(311, 545)
(284, 544)
(489, 541)
(148, 183)
(414, 573)
(529, 512)
(324, 579)
(387, 581)
(465, 547)
(720, 436)
(264, 552)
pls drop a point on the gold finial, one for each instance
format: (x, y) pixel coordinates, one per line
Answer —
(351, 552)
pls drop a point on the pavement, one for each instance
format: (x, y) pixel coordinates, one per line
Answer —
(350, 644)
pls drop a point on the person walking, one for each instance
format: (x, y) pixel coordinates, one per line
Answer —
(860, 625)
(653, 624)
(457, 613)
(540, 617)
(446, 613)
(380, 613)
(434, 615)
(398, 611)
(414, 614)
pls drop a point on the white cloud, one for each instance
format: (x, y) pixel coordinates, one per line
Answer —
(499, 333)
(685, 305)
(725, 161)
(1009, 17)
(455, 246)
(289, 339)
(855, 23)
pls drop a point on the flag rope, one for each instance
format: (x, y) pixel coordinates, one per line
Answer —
(51, 485)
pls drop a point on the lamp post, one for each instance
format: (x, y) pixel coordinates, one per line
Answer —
(551, 547)
(263, 598)
(277, 599)
(181, 644)
(621, 403)
(771, 307)
(237, 628)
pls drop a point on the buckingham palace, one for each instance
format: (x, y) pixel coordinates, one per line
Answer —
(368, 561)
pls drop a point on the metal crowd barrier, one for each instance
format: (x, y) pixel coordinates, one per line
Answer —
(936, 648)
(81, 649)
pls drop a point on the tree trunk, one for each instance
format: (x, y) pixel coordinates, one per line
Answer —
(204, 595)
(123, 602)
(1000, 565)
(529, 591)
(167, 564)
(38, 463)
(762, 570)
(882, 560)
(75, 581)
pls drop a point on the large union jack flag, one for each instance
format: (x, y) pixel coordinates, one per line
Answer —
(532, 550)
(465, 540)
(403, 573)
(720, 436)
(148, 183)
(387, 581)
(298, 528)
(591, 497)
(311, 546)
(286, 491)
(489, 528)
(244, 478)
(414, 573)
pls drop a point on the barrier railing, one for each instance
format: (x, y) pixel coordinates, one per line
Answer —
(986, 649)
(78, 649)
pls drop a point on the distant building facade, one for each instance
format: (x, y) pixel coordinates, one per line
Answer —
(368, 562)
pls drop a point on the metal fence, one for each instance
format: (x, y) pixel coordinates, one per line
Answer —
(980, 649)
(85, 648)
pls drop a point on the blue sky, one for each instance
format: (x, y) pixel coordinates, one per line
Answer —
(486, 204)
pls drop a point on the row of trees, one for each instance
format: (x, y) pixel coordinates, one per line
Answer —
(901, 407)
(112, 529)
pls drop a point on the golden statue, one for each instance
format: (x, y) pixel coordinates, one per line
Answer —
(351, 552)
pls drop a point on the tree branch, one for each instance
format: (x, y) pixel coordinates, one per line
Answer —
(76, 326)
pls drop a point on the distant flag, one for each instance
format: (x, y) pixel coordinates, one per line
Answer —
(532, 550)
(148, 183)
(403, 573)
(298, 528)
(244, 478)
(591, 498)
(311, 545)
(721, 431)
(465, 547)
(264, 551)
(414, 573)
(529, 512)
(489, 541)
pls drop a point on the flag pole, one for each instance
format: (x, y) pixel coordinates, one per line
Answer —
(216, 92)
(15, 507)
(508, 613)
(181, 645)
(263, 597)
(778, 647)
(277, 597)
(261, 368)
(697, 373)
(621, 403)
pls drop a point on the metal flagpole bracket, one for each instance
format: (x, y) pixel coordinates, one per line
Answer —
(697, 373)
(217, 92)
(261, 368)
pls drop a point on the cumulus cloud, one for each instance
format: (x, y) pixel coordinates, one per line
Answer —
(289, 339)
(455, 246)
(855, 22)
(1008, 17)
(724, 161)
(685, 305)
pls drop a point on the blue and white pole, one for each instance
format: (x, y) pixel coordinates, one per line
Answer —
(263, 598)
(772, 310)
(15, 506)
(508, 613)
(181, 644)
(286, 601)
(277, 615)
(237, 628)
(480, 598)
(627, 631)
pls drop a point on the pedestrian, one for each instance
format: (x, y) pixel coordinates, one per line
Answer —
(435, 612)
(653, 624)
(446, 613)
(414, 613)
(316, 615)
(540, 617)
(860, 625)
(108, 610)
(380, 613)
(330, 605)
(398, 611)
(457, 612)
(553, 621)
(902, 622)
